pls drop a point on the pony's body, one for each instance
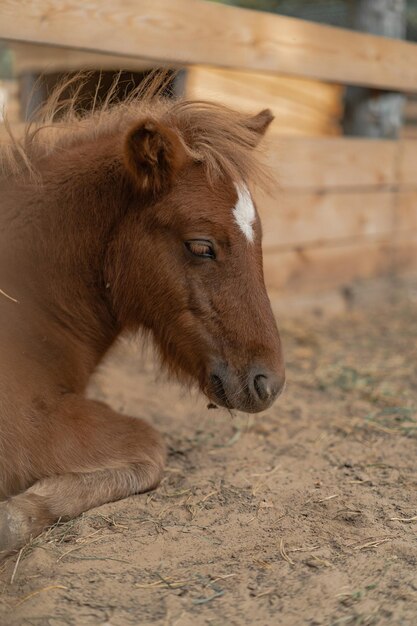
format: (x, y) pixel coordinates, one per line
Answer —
(136, 218)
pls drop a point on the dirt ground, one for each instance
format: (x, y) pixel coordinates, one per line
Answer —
(304, 515)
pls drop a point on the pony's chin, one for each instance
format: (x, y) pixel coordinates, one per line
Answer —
(216, 404)
(219, 400)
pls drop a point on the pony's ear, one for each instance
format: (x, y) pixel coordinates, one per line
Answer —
(153, 155)
(259, 123)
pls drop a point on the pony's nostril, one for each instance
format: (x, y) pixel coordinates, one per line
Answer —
(262, 387)
(217, 382)
(254, 392)
(218, 388)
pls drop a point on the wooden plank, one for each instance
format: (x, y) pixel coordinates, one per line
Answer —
(405, 211)
(407, 167)
(404, 255)
(323, 98)
(410, 109)
(408, 132)
(35, 58)
(301, 106)
(292, 219)
(312, 164)
(196, 31)
(332, 163)
(313, 269)
(326, 267)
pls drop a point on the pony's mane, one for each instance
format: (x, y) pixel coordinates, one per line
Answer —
(218, 137)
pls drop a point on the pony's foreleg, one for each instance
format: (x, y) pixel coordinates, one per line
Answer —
(124, 456)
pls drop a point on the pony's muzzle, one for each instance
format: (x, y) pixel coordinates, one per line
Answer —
(252, 392)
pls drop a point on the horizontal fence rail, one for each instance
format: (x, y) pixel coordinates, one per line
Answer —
(323, 164)
(198, 31)
(346, 211)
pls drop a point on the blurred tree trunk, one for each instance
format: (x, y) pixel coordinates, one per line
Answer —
(372, 112)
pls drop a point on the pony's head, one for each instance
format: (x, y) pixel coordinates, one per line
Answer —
(186, 263)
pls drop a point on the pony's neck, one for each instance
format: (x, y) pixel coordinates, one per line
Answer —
(59, 237)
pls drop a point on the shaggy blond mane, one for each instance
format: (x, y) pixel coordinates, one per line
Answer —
(211, 133)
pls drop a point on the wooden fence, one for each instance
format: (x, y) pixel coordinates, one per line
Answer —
(347, 208)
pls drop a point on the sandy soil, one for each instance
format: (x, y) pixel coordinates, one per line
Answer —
(305, 515)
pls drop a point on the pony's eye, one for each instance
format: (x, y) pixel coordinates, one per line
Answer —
(201, 248)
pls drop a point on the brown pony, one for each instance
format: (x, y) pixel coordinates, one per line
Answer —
(137, 216)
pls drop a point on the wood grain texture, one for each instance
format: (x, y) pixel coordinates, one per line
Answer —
(404, 255)
(407, 167)
(196, 31)
(338, 265)
(301, 106)
(405, 211)
(331, 163)
(37, 58)
(326, 267)
(291, 219)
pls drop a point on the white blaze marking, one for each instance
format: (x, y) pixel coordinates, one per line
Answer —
(244, 211)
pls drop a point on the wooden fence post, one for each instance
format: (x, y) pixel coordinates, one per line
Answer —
(371, 112)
